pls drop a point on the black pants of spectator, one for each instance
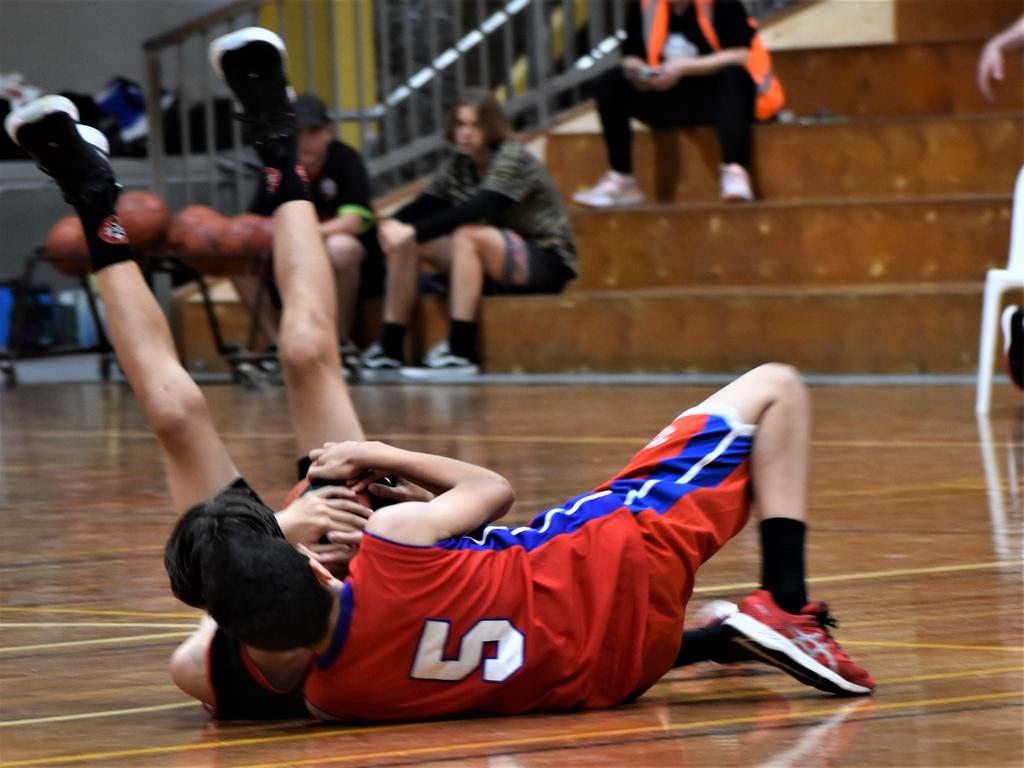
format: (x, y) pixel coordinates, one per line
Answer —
(724, 100)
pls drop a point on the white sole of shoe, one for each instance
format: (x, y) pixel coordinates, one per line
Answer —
(49, 105)
(610, 204)
(235, 40)
(770, 646)
(440, 374)
(35, 111)
(379, 374)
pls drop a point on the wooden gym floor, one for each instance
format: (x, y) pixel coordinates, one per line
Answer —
(916, 543)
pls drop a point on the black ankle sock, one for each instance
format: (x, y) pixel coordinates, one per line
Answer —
(782, 562)
(302, 466)
(392, 340)
(104, 234)
(711, 643)
(462, 339)
(283, 176)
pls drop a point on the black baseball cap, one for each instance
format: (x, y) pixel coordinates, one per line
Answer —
(309, 110)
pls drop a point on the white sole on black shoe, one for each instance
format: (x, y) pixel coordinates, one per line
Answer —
(241, 37)
(49, 105)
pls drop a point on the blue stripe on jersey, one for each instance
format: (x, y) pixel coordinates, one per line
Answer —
(340, 629)
(706, 460)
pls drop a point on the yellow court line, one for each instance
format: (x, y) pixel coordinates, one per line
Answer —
(91, 624)
(396, 437)
(49, 557)
(549, 739)
(709, 590)
(102, 612)
(984, 672)
(319, 733)
(935, 646)
(867, 575)
(105, 713)
(96, 641)
(886, 682)
(621, 732)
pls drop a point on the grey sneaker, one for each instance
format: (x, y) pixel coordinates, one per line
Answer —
(351, 361)
(440, 363)
(376, 366)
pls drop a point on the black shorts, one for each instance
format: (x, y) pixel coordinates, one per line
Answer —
(529, 268)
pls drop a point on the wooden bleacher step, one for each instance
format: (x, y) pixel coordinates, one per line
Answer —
(890, 328)
(875, 158)
(798, 244)
(902, 79)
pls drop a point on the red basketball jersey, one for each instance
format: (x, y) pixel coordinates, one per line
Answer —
(582, 608)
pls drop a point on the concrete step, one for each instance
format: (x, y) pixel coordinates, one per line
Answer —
(890, 328)
(814, 243)
(906, 156)
(913, 78)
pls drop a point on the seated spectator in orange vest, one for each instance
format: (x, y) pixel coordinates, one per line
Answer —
(341, 194)
(491, 217)
(685, 62)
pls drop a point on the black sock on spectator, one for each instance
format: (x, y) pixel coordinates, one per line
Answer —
(462, 339)
(392, 340)
(782, 562)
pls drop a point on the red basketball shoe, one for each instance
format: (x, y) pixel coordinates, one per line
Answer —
(799, 644)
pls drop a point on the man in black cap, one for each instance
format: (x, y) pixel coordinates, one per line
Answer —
(341, 193)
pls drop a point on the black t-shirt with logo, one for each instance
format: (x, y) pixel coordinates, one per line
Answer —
(342, 183)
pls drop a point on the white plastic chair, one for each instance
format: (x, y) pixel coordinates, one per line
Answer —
(998, 282)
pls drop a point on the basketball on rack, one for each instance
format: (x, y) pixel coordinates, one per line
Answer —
(196, 231)
(245, 234)
(66, 239)
(145, 218)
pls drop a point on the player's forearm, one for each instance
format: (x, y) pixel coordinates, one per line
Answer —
(709, 63)
(1010, 39)
(436, 474)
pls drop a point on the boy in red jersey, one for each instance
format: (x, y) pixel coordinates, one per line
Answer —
(582, 608)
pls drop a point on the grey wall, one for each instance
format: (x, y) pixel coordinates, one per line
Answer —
(79, 45)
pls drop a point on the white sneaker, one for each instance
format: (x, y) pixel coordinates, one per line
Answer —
(376, 366)
(613, 189)
(735, 183)
(439, 363)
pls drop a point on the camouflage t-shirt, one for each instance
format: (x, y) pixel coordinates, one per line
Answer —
(538, 214)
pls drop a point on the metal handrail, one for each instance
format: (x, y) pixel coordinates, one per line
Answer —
(400, 125)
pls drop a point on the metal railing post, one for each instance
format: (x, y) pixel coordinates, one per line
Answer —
(211, 130)
(183, 125)
(155, 117)
(357, 21)
(540, 56)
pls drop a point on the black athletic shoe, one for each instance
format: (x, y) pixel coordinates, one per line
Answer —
(1013, 343)
(74, 155)
(252, 61)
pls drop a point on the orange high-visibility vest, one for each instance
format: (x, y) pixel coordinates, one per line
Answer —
(769, 96)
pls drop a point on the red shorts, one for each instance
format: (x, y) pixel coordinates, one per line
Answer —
(688, 489)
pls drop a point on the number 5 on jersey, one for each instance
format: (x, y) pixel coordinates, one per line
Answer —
(430, 663)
